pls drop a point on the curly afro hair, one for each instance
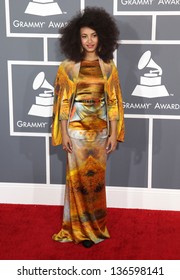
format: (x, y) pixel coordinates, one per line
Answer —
(100, 21)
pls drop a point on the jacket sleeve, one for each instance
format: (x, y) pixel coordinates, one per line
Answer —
(115, 103)
(61, 107)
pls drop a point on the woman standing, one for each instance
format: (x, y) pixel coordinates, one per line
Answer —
(88, 121)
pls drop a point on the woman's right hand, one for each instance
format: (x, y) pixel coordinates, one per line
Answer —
(66, 143)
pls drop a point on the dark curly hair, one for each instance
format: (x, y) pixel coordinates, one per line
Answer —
(100, 21)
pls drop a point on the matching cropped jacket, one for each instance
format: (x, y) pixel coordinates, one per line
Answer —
(65, 90)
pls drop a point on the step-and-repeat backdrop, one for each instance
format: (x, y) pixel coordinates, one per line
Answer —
(149, 70)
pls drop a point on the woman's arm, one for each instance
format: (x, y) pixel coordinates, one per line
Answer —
(112, 140)
(66, 141)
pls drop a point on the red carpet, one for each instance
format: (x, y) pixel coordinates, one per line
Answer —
(26, 230)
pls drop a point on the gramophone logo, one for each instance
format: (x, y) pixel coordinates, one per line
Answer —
(150, 82)
(43, 8)
(43, 106)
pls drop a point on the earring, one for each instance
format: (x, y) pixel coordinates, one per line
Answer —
(81, 49)
(99, 49)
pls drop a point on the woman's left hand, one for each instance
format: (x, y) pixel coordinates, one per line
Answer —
(111, 144)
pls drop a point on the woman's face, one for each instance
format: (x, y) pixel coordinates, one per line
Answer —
(89, 39)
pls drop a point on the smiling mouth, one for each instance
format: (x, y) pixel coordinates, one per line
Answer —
(90, 46)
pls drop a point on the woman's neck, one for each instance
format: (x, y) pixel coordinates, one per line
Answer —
(91, 56)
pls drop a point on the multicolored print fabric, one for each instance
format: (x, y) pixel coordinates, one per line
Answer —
(88, 127)
(85, 197)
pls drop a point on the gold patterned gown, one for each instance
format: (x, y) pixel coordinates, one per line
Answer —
(85, 198)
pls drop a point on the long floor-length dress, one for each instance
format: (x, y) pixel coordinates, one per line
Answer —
(85, 197)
